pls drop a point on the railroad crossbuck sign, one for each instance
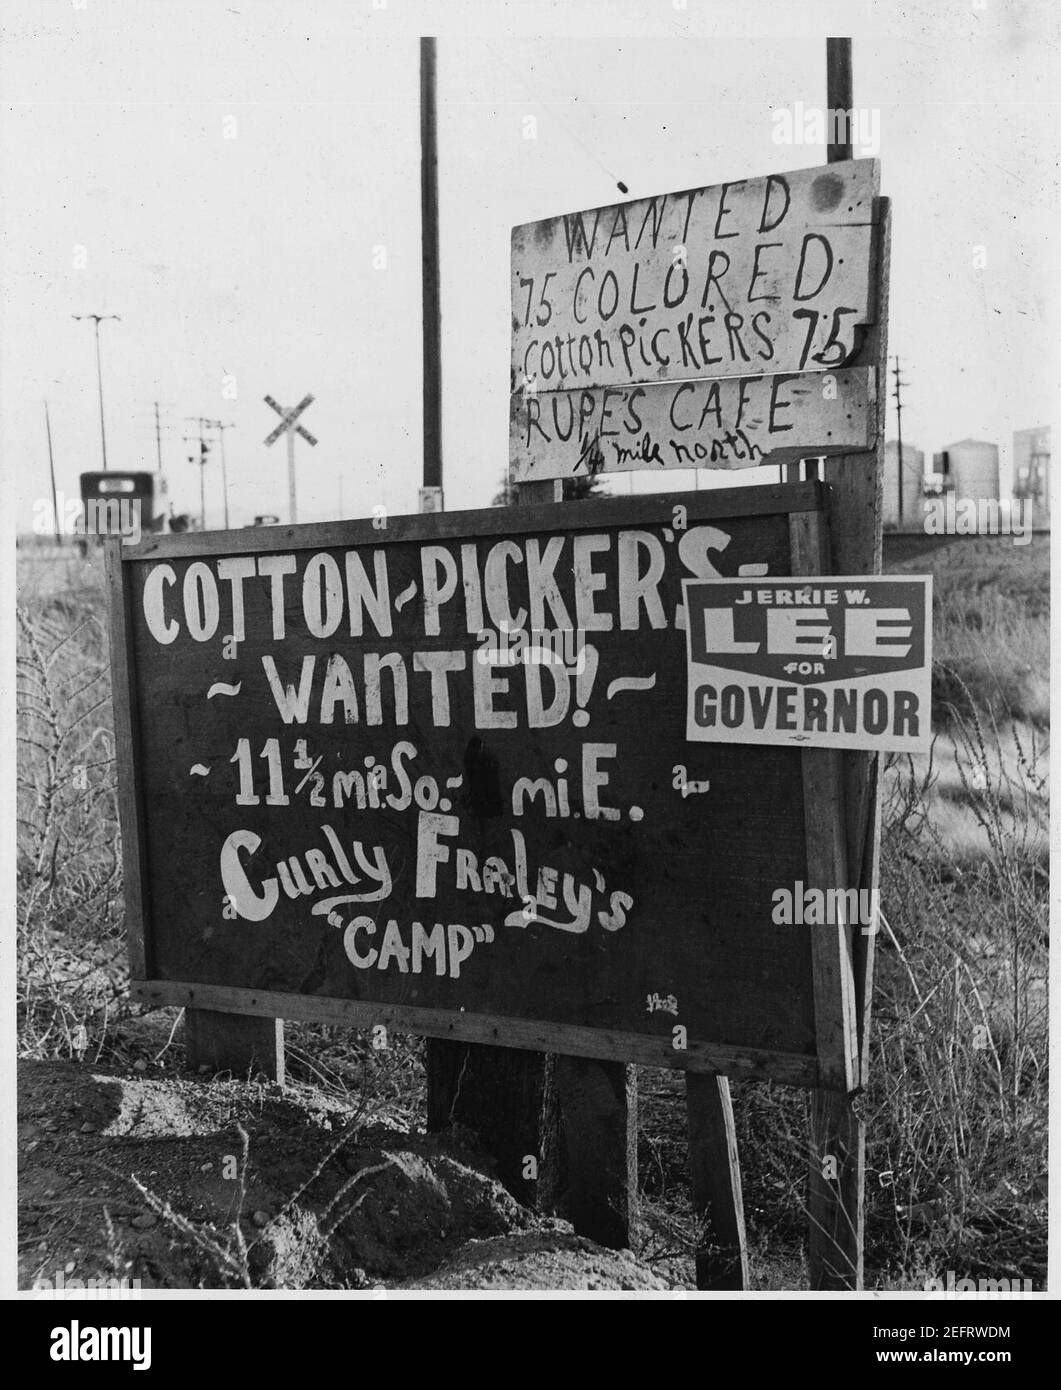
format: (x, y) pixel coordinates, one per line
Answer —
(843, 662)
(704, 329)
(289, 424)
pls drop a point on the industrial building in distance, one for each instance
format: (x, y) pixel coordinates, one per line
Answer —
(970, 470)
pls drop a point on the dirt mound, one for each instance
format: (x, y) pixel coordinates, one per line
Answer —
(540, 1260)
(188, 1182)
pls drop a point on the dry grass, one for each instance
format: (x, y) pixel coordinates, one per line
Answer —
(71, 966)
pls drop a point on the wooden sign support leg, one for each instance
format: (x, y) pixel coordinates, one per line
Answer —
(576, 1116)
(500, 1094)
(850, 545)
(598, 1124)
(240, 1043)
(836, 1187)
(837, 1139)
(714, 1168)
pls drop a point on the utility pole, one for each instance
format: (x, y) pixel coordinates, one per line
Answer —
(840, 88)
(432, 330)
(204, 449)
(897, 394)
(158, 438)
(51, 469)
(97, 320)
(221, 427)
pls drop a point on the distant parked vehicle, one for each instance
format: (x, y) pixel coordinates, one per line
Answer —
(106, 499)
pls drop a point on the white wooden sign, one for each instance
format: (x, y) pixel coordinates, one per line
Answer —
(731, 422)
(747, 278)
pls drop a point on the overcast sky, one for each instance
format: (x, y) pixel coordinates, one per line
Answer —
(221, 176)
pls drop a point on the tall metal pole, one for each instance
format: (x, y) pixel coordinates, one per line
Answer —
(51, 469)
(158, 438)
(839, 94)
(98, 319)
(430, 268)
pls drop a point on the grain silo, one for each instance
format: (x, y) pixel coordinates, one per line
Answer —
(974, 468)
(913, 513)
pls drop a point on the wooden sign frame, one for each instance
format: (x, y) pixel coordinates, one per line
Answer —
(835, 1063)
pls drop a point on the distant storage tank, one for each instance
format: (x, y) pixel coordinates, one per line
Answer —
(974, 468)
(913, 513)
(1031, 470)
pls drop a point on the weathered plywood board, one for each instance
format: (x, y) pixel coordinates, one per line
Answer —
(730, 423)
(528, 869)
(753, 277)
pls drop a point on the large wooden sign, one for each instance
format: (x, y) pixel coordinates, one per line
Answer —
(769, 277)
(437, 776)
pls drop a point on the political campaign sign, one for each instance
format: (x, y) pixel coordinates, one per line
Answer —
(839, 662)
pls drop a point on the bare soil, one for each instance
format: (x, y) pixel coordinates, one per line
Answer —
(184, 1181)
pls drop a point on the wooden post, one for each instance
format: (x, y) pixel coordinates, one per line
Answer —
(432, 325)
(839, 87)
(243, 1044)
(837, 1129)
(597, 1102)
(836, 1187)
(499, 1094)
(714, 1169)
(837, 1135)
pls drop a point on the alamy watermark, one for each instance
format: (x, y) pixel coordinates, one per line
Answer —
(533, 647)
(801, 906)
(98, 1287)
(810, 125)
(979, 516)
(950, 1285)
(98, 516)
(77, 1342)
